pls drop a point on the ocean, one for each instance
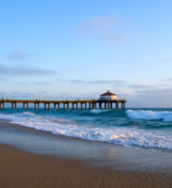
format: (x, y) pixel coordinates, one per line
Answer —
(138, 128)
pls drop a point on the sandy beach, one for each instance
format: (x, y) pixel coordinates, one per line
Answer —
(21, 169)
(27, 168)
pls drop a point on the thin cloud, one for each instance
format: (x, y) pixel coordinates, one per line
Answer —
(168, 80)
(24, 71)
(106, 82)
(83, 94)
(41, 83)
(16, 93)
(164, 85)
(98, 81)
(140, 86)
(64, 94)
(31, 83)
(18, 56)
(41, 92)
(98, 24)
(118, 39)
(21, 83)
(156, 97)
(95, 93)
(106, 28)
(3, 79)
(160, 92)
(77, 81)
(21, 95)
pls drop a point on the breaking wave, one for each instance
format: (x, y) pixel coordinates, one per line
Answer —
(127, 136)
(150, 115)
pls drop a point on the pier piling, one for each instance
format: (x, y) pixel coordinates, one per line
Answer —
(108, 105)
(117, 105)
(100, 105)
(89, 106)
(92, 104)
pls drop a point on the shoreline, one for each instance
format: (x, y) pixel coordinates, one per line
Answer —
(34, 158)
(97, 153)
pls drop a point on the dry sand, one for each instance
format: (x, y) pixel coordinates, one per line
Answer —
(22, 169)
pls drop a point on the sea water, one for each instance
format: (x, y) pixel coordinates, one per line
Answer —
(148, 128)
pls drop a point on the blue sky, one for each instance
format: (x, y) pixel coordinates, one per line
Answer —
(83, 48)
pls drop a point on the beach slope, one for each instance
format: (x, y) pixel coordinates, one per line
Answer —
(22, 169)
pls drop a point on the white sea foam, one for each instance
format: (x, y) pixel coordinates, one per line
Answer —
(95, 111)
(118, 135)
(150, 115)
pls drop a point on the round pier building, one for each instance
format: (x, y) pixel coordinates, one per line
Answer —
(108, 96)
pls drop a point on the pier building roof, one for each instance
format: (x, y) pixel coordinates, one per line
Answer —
(107, 93)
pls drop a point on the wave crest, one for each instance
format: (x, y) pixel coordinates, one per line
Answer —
(150, 115)
(94, 111)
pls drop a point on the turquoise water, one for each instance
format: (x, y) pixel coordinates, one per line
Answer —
(149, 128)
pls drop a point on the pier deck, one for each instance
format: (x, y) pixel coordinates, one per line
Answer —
(91, 104)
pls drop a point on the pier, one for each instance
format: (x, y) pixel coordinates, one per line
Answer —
(84, 104)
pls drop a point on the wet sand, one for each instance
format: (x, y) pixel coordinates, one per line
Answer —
(22, 169)
(23, 166)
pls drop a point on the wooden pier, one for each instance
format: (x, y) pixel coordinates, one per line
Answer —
(85, 104)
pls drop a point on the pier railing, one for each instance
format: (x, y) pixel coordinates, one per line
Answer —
(2, 99)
